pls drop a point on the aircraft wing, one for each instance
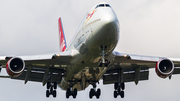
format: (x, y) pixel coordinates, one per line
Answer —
(134, 68)
(42, 68)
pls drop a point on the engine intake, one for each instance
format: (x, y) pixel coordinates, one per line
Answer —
(15, 66)
(164, 68)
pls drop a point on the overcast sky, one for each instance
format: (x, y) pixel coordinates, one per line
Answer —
(147, 27)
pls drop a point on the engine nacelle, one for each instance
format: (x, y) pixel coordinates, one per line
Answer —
(15, 66)
(164, 68)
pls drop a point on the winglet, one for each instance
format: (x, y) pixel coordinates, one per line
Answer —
(61, 37)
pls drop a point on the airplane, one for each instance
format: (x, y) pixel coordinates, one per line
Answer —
(89, 57)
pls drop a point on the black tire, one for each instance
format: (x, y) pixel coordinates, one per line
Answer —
(106, 63)
(68, 93)
(54, 93)
(100, 63)
(122, 86)
(48, 85)
(122, 94)
(91, 93)
(74, 96)
(47, 93)
(116, 86)
(98, 93)
(115, 94)
(55, 85)
(75, 91)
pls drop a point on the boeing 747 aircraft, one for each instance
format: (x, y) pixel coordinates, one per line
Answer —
(89, 57)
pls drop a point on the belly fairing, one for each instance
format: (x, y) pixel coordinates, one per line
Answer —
(80, 75)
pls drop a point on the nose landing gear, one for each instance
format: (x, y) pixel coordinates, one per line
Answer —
(103, 60)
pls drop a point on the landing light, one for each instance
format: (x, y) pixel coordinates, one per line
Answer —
(125, 55)
(58, 55)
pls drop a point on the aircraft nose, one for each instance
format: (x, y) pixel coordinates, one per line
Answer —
(109, 19)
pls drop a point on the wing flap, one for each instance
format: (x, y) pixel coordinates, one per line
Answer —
(43, 68)
(127, 77)
(133, 73)
(135, 67)
(37, 75)
(176, 71)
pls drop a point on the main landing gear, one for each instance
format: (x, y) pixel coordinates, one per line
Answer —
(70, 91)
(119, 89)
(51, 89)
(93, 92)
(103, 60)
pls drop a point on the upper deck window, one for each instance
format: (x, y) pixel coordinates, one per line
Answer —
(103, 5)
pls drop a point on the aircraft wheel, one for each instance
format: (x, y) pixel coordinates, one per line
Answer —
(91, 93)
(48, 85)
(122, 86)
(122, 94)
(47, 93)
(54, 93)
(115, 94)
(55, 85)
(68, 93)
(75, 91)
(100, 63)
(106, 63)
(115, 85)
(74, 96)
(98, 93)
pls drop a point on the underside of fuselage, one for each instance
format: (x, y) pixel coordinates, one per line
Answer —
(81, 76)
(102, 30)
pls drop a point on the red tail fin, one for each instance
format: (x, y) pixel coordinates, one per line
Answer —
(61, 37)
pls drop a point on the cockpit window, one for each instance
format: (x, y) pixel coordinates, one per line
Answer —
(107, 5)
(103, 5)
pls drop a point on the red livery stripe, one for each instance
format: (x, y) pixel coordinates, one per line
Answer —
(61, 37)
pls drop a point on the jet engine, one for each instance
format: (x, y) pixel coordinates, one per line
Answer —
(15, 66)
(164, 68)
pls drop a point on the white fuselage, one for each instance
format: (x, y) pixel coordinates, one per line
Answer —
(100, 27)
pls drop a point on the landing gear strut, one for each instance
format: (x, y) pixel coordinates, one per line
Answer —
(119, 89)
(103, 60)
(51, 89)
